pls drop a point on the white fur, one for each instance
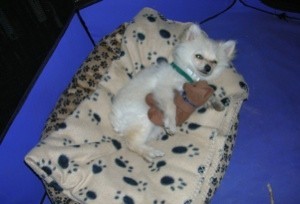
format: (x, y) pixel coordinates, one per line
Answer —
(129, 109)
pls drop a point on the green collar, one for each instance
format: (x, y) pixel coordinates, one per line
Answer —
(182, 73)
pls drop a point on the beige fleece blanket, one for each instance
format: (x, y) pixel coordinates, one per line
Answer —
(89, 163)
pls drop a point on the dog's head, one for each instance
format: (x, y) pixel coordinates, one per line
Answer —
(204, 56)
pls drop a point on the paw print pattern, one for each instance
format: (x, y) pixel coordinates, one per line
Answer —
(114, 142)
(97, 167)
(96, 67)
(231, 138)
(106, 77)
(77, 114)
(95, 144)
(76, 146)
(139, 36)
(95, 117)
(125, 198)
(150, 17)
(41, 143)
(221, 168)
(67, 142)
(188, 201)
(97, 58)
(151, 55)
(129, 74)
(222, 92)
(156, 166)
(140, 185)
(159, 202)
(86, 194)
(56, 186)
(91, 83)
(138, 66)
(209, 194)
(214, 87)
(46, 166)
(121, 162)
(105, 139)
(172, 183)
(202, 109)
(60, 126)
(124, 39)
(165, 137)
(226, 148)
(93, 97)
(161, 60)
(170, 39)
(214, 181)
(226, 157)
(244, 86)
(225, 101)
(103, 64)
(162, 17)
(65, 163)
(186, 127)
(212, 135)
(201, 169)
(190, 150)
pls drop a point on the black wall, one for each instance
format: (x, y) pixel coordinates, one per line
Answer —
(29, 30)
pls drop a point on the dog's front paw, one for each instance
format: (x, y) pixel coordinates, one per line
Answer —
(170, 126)
(169, 131)
(152, 153)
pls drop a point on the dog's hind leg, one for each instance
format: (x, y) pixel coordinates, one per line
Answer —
(165, 101)
(136, 138)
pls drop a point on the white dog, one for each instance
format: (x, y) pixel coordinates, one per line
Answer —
(196, 58)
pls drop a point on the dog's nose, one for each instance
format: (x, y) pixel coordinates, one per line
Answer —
(207, 68)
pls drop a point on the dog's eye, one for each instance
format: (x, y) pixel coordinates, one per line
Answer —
(198, 56)
(214, 62)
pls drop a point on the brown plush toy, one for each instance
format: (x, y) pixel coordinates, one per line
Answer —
(194, 95)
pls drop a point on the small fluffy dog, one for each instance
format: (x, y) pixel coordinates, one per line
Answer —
(196, 58)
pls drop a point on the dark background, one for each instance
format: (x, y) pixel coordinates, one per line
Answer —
(29, 32)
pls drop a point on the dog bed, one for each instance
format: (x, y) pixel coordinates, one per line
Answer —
(80, 159)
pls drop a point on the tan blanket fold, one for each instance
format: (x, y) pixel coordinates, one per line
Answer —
(89, 163)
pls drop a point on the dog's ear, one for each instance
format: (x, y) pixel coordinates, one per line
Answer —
(193, 32)
(229, 48)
